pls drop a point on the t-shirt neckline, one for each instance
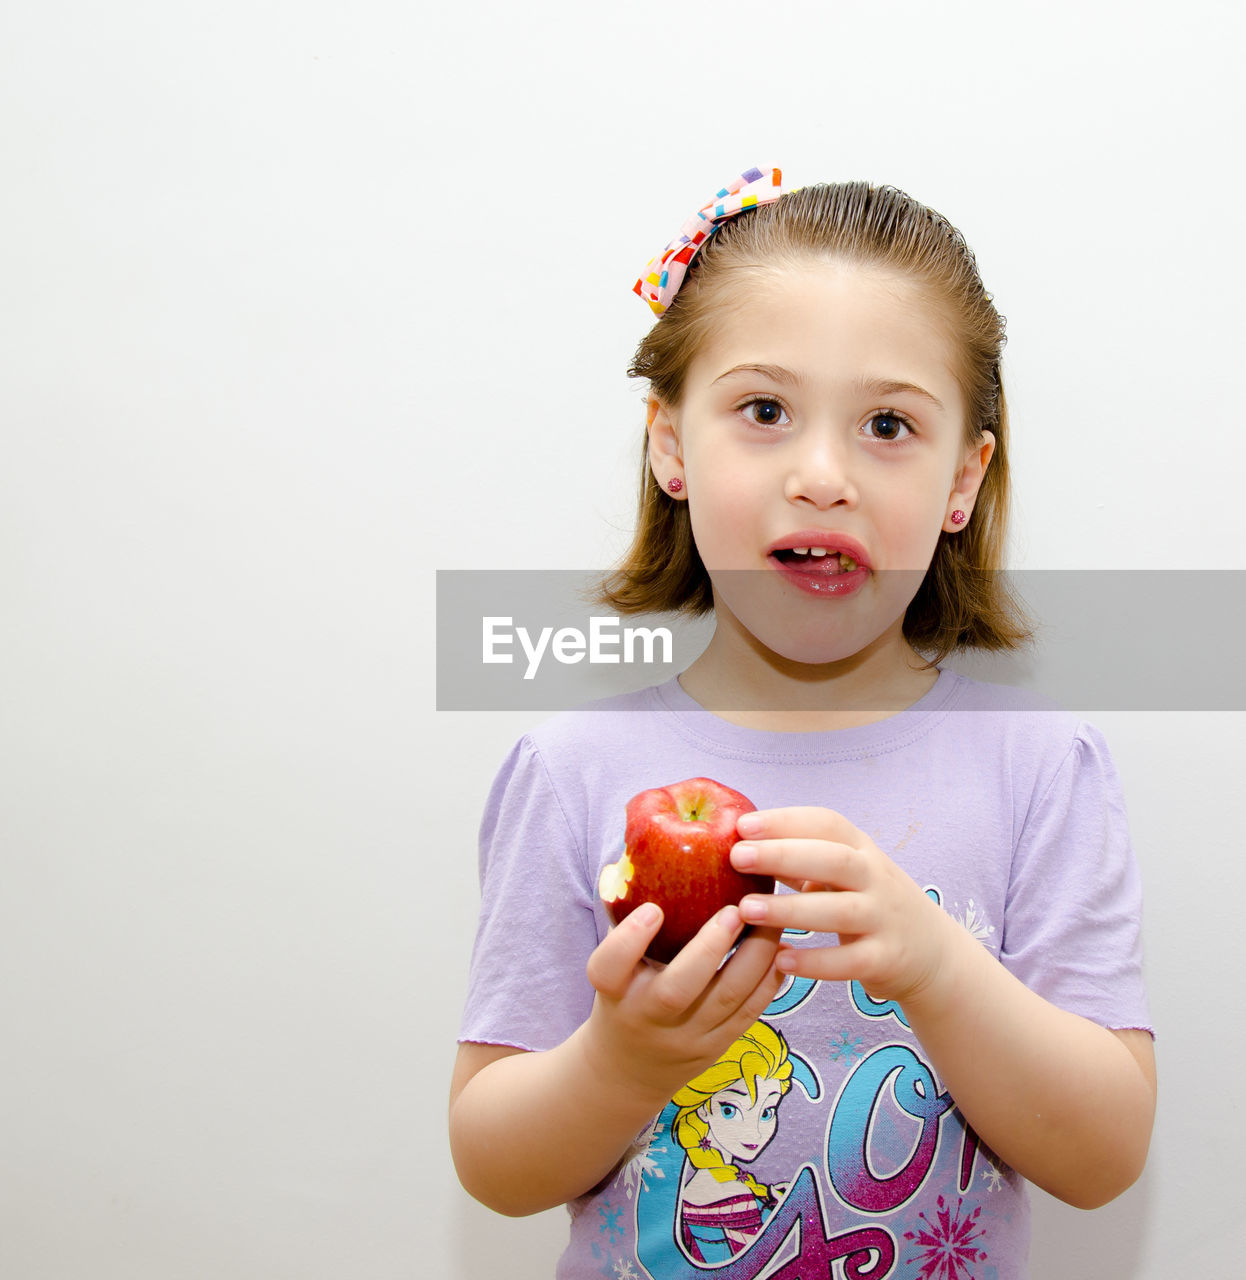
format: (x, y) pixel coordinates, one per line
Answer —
(711, 731)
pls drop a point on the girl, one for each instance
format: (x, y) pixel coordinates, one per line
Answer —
(953, 955)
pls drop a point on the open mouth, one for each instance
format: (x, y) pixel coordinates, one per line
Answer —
(818, 559)
(824, 569)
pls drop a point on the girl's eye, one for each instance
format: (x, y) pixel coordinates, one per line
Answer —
(766, 413)
(768, 1114)
(728, 1110)
(888, 425)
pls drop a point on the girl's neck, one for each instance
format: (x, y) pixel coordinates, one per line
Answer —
(748, 685)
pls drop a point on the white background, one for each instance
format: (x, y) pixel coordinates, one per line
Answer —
(304, 301)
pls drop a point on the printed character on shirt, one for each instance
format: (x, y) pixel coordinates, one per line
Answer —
(726, 1117)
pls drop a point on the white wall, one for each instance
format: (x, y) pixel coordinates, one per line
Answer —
(304, 301)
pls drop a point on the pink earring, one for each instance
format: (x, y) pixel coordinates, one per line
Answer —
(958, 517)
(674, 485)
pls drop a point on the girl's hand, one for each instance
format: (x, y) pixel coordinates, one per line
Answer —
(653, 1029)
(892, 937)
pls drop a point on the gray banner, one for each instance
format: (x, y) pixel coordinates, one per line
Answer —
(1107, 640)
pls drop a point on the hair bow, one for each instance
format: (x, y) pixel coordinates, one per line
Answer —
(660, 281)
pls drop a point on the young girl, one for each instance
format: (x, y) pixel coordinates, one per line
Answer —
(951, 960)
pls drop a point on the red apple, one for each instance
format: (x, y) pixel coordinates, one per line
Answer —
(677, 847)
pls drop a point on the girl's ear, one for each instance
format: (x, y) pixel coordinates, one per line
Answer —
(666, 459)
(968, 481)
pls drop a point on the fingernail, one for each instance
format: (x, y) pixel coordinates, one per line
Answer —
(785, 961)
(646, 914)
(744, 856)
(729, 919)
(753, 909)
(749, 824)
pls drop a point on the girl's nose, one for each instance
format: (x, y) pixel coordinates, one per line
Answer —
(820, 476)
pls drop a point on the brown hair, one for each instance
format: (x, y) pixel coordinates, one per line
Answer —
(963, 601)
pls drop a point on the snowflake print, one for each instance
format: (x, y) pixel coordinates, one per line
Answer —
(610, 1221)
(639, 1167)
(846, 1049)
(993, 1176)
(948, 1247)
(639, 1164)
(623, 1270)
(974, 919)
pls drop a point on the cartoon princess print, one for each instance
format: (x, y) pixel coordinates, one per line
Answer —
(726, 1117)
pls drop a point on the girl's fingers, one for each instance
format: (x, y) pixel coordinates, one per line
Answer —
(696, 981)
(682, 982)
(795, 860)
(612, 966)
(752, 960)
(825, 964)
(746, 984)
(798, 820)
(844, 913)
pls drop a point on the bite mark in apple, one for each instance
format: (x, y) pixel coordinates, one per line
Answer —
(614, 879)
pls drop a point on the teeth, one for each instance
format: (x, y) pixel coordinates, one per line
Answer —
(819, 551)
(846, 563)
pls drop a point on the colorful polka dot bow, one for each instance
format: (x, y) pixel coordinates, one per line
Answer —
(661, 279)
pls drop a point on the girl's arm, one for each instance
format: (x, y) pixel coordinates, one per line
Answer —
(530, 1130)
(1065, 1102)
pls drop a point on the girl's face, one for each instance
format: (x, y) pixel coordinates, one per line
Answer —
(821, 442)
(741, 1127)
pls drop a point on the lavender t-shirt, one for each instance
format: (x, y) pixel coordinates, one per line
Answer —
(824, 1142)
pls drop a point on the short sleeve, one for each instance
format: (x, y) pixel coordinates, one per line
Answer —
(1072, 923)
(527, 985)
